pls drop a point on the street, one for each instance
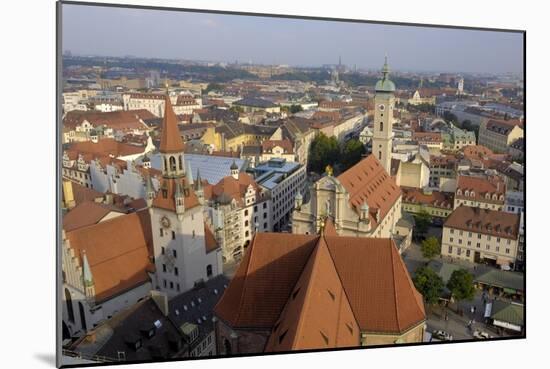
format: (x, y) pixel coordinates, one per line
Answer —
(456, 324)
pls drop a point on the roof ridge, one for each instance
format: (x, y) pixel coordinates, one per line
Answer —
(342, 282)
(314, 253)
(250, 249)
(409, 281)
(394, 286)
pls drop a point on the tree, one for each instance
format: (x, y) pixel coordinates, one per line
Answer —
(323, 151)
(352, 153)
(450, 117)
(461, 285)
(430, 247)
(295, 108)
(421, 222)
(237, 109)
(213, 87)
(429, 284)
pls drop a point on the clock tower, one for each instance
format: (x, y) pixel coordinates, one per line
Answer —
(182, 256)
(384, 101)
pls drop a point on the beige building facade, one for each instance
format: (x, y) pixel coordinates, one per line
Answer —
(479, 235)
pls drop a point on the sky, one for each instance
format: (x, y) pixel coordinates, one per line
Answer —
(107, 31)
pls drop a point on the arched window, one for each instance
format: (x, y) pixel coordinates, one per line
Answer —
(227, 346)
(172, 163)
(165, 164)
(82, 316)
(180, 163)
(209, 270)
(69, 302)
(379, 155)
(381, 126)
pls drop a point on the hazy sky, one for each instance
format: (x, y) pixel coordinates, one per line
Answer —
(169, 34)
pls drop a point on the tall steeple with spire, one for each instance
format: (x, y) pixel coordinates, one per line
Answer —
(181, 255)
(171, 144)
(383, 118)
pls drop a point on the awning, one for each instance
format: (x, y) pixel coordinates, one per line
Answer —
(507, 325)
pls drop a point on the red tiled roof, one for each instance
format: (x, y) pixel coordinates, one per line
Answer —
(106, 146)
(435, 198)
(121, 119)
(318, 314)
(210, 243)
(85, 214)
(165, 198)
(481, 186)
(366, 273)
(485, 221)
(368, 181)
(427, 136)
(268, 145)
(118, 251)
(170, 140)
(231, 187)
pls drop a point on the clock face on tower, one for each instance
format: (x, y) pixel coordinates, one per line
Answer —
(381, 107)
(165, 222)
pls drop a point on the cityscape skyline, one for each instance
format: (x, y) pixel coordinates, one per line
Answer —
(496, 52)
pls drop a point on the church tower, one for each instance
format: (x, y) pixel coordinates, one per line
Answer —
(383, 119)
(182, 258)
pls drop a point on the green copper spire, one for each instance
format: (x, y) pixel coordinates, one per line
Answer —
(385, 85)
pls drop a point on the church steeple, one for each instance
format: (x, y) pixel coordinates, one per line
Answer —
(383, 118)
(171, 144)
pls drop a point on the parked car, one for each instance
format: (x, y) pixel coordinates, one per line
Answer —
(481, 335)
(442, 335)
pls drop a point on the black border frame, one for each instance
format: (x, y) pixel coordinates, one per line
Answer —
(58, 130)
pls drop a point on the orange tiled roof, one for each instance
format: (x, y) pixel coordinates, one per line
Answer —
(106, 146)
(231, 187)
(492, 222)
(268, 145)
(481, 186)
(318, 313)
(118, 251)
(122, 119)
(368, 181)
(366, 273)
(86, 213)
(210, 243)
(170, 140)
(435, 198)
(165, 196)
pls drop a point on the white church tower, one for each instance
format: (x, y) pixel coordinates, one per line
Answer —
(383, 119)
(184, 255)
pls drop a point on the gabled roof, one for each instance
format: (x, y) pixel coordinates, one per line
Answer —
(318, 313)
(367, 273)
(268, 145)
(106, 147)
(210, 243)
(231, 188)
(87, 213)
(485, 221)
(118, 251)
(368, 181)
(170, 139)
